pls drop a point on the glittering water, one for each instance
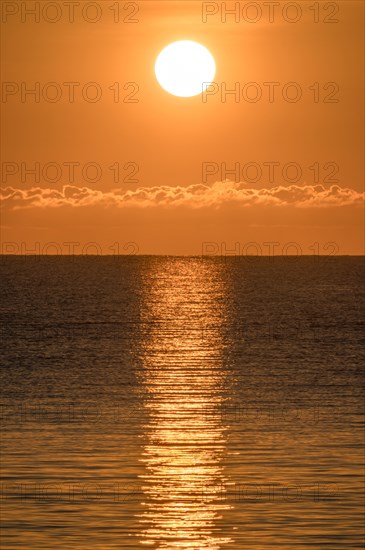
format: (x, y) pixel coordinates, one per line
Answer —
(182, 403)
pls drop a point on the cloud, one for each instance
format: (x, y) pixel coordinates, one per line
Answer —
(193, 196)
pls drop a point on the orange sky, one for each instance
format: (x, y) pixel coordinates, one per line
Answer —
(171, 206)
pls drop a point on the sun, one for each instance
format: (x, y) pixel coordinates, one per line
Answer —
(185, 68)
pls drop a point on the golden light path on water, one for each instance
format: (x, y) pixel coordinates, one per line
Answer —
(184, 439)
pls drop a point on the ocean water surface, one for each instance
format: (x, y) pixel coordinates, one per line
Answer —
(182, 403)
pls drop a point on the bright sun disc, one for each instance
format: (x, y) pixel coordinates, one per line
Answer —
(185, 68)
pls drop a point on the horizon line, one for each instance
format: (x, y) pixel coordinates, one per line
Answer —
(184, 255)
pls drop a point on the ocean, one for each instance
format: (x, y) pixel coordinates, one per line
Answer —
(191, 403)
